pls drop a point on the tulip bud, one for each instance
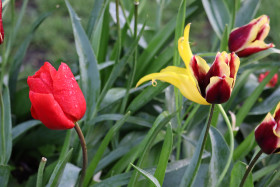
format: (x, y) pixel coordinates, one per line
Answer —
(267, 133)
(249, 39)
(215, 83)
(56, 98)
(1, 25)
(273, 81)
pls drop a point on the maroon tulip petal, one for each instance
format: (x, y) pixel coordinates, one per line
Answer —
(1, 25)
(265, 136)
(219, 90)
(48, 111)
(238, 37)
(199, 69)
(251, 50)
(68, 94)
(42, 81)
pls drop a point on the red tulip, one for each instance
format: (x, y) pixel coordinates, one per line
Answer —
(1, 25)
(215, 83)
(249, 39)
(273, 81)
(267, 133)
(56, 98)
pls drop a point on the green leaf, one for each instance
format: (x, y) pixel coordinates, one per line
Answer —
(70, 175)
(93, 164)
(154, 46)
(58, 170)
(96, 11)
(224, 41)
(23, 127)
(218, 14)
(266, 105)
(237, 173)
(101, 33)
(116, 117)
(19, 55)
(220, 154)
(145, 145)
(247, 12)
(5, 126)
(4, 175)
(265, 171)
(245, 147)
(191, 172)
(147, 175)
(258, 56)
(90, 80)
(145, 96)
(164, 155)
(249, 102)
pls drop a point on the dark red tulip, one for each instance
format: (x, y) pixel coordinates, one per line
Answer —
(249, 39)
(56, 98)
(267, 133)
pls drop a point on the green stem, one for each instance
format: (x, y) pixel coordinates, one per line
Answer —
(134, 64)
(41, 172)
(231, 144)
(250, 167)
(84, 148)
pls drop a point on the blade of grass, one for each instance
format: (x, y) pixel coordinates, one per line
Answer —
(159, 123)
(5, 126)
(245, 109)
(93, 164)
(164, 155)
(147, 175)
(58, 170)
(41, 172)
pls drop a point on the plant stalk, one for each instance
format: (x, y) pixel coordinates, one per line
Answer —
(250, 167)
(84, 148)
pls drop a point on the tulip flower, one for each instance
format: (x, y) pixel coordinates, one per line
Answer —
(273, 81)
(249, 39)
(56, 98)
(1, 25)
(198, 82)
(267, 133)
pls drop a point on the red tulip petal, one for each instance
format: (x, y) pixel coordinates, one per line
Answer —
(1, 25)
(68, 94)
(265, 137)
(257, 46)
(42, 80)
(218, 90)
(45, 108)
(239, 37)
(199, 69)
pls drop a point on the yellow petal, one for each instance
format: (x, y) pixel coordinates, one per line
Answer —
(182, 81)
(184, 46)
(259, 44)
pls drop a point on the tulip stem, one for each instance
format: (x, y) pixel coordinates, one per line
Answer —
(84, 148)
(250, 167)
